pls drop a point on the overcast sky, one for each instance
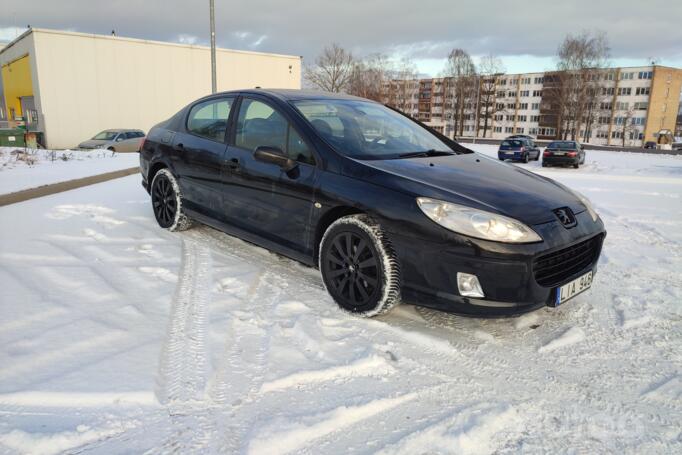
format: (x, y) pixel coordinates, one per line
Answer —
(524, 33)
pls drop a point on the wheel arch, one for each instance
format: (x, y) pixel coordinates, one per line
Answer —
(326, 220)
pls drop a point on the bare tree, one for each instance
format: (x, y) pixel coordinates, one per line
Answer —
(460, 72)
(626, 124)
(369, 77)
(490, 68)
(399, 89)
(573, 91)
(332, 70)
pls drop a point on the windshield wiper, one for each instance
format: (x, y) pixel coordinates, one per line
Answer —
(426, 153)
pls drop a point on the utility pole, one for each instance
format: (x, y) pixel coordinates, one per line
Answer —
(213, 74)
(478, 107)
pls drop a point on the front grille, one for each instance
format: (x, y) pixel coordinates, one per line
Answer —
(553, 268)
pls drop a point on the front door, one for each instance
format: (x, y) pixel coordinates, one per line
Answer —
(261, 197)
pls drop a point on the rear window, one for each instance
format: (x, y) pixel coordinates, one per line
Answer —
(512, 143)
(562, 145)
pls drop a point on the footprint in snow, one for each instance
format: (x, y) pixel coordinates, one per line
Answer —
(569, 337)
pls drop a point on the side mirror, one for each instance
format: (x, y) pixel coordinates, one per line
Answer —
(119, 139)
(274, 155)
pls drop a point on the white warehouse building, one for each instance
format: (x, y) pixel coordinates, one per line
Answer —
(68, 86)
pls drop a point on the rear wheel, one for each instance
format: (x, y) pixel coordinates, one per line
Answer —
(525, 157)
(544, 164)
(359, 267)
(576, 165)
(167, 202)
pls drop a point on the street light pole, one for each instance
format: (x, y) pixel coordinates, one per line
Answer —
(214, 87)
(478, 108)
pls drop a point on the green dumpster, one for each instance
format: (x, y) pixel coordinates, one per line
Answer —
(12, 137)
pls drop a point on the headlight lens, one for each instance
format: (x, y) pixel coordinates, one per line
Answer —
(477, 223)
(588, 205)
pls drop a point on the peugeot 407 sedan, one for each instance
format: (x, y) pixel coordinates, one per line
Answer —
(388, 209)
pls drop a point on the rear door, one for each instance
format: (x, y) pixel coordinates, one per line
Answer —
(198, 154)
(261, 197)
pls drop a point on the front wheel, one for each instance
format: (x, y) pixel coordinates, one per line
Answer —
(359, 266)
(525, 158)
(167, 203)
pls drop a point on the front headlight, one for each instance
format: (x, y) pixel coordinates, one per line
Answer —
(588, 205)
(477, 223)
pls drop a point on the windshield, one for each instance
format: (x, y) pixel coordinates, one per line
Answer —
(366, 130)
(105, 136)
(562, 145)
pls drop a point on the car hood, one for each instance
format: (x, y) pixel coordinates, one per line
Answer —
(477, 181)
(92, 143)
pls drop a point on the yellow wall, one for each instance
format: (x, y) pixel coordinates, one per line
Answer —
(16, 82)
(663, 101)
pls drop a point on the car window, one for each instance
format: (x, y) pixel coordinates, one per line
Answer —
(259, 125)
(512, 143)
(209, 119)
(131, 135)
(105, 136)
(367, 130)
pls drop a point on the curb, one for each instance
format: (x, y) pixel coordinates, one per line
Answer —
(54, 188)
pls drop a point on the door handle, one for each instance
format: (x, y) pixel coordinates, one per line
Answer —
(179, 147)
(233, 164)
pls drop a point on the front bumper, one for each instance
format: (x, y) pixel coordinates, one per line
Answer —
(505, 271)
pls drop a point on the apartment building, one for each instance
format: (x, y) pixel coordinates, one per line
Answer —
(633, 105)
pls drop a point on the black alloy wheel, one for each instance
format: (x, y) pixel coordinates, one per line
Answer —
(164, 201)
(352, 266)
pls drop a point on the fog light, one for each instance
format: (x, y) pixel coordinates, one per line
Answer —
(468, 285)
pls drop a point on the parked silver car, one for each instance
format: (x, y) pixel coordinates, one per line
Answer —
(115, 140)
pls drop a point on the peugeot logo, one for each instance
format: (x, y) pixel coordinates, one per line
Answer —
(566, 217)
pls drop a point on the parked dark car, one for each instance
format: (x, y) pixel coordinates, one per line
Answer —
(563, 153)
(388, 209)
(650, 145)
(518, 149)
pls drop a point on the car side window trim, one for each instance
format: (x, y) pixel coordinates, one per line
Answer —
(291, 124)
(230, 115)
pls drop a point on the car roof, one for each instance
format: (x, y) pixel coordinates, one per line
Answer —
(294, 94)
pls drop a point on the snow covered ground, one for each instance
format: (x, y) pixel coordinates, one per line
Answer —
(118, 337)
(40, 167)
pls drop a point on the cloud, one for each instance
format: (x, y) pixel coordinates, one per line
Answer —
(424, 31)
(187, 39)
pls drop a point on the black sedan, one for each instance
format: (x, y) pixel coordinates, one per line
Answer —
(563, 153)
(388, 209)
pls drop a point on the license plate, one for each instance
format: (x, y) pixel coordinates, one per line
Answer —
(575, 287)
(560, 153)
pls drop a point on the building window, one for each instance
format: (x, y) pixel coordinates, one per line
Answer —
(511, 94)
(533, 131)
(525, 93)
(508, 129)
(626, 76)
(622, 106)
(607, 91)
(521, 118)
(501, 94)
(641, 106)
(523, 106)
(535, 106)
(539, 80)
(499, 118)
(646, 74)
(519, 130)
(537, 92)
(497, 129)
(602, 134)
(534, 118)
(511, 105)
(605, 106)
(625, 90)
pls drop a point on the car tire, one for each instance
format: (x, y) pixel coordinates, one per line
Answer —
(537, 157)
(359, 266)
(544, 164)
(525, 158)
(111, 149)
(167, 202)
(576, 165)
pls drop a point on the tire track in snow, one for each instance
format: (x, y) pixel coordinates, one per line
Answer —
(184, 360)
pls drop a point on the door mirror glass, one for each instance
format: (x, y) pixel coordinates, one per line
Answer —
(276, 156)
